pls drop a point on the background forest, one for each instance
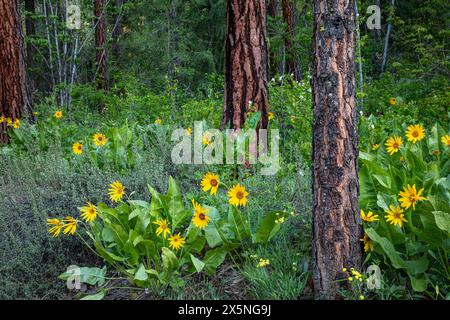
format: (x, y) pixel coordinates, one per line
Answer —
(134, 70)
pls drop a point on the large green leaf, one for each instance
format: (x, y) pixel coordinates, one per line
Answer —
(388, 248)
(442, 220)
(141, 273)
(169, 259)
(214, 258)
(98, 296)
(198, 264)
(239, 224)
(92, 276)
(268, 227)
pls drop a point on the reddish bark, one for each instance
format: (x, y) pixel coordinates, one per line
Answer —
(336, 220)
(246, 62)
(292, 64)
(13, 89)
(100, 45)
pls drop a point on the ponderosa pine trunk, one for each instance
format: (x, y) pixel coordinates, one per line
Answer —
(292, 63)
(246, 63)
(336, 221)
(13, 86)
(102, 81)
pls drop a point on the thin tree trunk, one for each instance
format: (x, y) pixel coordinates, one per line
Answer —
(30, 30)
(100, 44)
(14, 97)
(386, 42)
(336, 222)
(246, 63)
(272, 12)
(117, 30)
(292, 63)
(49, 45)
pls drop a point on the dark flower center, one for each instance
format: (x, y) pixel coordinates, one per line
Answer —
(214, 182)
(240, 195)
(202, 216)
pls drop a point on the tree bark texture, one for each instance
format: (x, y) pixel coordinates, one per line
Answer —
(336, 221)
(13, 86)
(100, 45)
(246, 63)
(292, 64)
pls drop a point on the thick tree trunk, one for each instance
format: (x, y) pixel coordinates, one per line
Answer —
(13, 89)
(246, 63)
(117, 29)
(336, 222)
(100, 45)
(292, 63)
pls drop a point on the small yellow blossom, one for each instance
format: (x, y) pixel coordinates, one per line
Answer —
(263, 263)
(395, 216)
(393, 144)
(369, 217)
(116, 191)
(415, 133)
(70, 225)
(58, 114)
(163, 228)
(410, 196)
(176, 241)
(446, 140)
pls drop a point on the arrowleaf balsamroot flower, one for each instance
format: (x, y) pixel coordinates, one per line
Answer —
(446, 140)
(77, 148)
(16, 124)
(415, 133)
(58, 114)
(368, 243)
(237, 195)
(163, 228)
(410, 196)
(393, 144)
(70, 225)
(210, 182)
(200, 218)
(89, 212)
(57, 225)
(395, 216)
(176, 241)
(369, 217)
(116, 191)
(99, 139)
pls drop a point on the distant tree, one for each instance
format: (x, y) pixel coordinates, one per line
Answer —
(100, 45)
(30, 29)
(291, 63)
(14, 97)
(246, 63)
(272, 12)
(336, 221)
(117, 28)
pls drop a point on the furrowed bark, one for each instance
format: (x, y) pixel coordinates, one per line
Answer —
(14, 97)
(336, 221)
(100, 45)
(292, 64)
(246, 63)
